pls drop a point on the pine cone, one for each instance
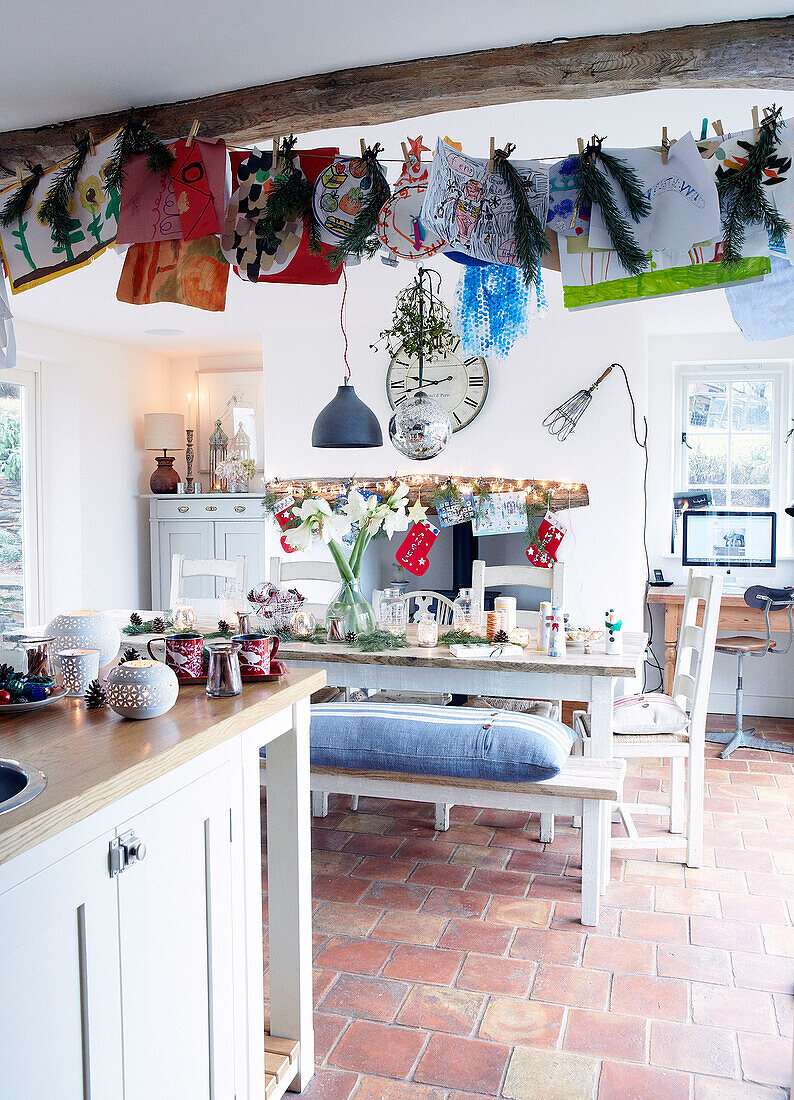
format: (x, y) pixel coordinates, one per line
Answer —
(501, 636)
(158, 625)
(135, 619)
(223, 627)
(129, 654)
(351, 637)
(96, 696)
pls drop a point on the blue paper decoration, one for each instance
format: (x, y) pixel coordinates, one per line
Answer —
(493, 306)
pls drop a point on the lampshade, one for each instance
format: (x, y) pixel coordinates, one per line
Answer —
(164, 431)
(790, 511)
(346, 422)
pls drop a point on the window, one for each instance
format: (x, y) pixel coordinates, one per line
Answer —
(19, 567)
(731, 438)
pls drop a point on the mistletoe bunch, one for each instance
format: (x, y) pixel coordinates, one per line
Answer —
(421, 323)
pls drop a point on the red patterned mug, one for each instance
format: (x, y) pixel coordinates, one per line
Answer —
(256, 652)
(183, 653)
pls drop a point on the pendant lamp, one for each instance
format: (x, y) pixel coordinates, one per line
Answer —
(346, 421)
(790, 511)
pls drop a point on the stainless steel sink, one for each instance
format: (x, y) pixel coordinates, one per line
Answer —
(18, 784)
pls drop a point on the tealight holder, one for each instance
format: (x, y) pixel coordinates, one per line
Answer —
(303, 624)
(78, 668)
(142, 689)
(427, 630)
(86, 630)
(184, 616)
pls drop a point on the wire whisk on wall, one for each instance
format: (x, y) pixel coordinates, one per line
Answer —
(562, 420)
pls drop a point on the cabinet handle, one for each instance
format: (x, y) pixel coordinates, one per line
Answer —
(239, 507)
(182, 508)
(124, 851)
(210, 508)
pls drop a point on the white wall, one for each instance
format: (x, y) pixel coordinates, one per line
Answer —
(95, 539)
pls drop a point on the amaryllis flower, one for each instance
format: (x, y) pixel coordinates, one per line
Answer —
(317, 522)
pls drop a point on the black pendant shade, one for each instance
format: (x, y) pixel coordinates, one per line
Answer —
(346, 422)
(790, 510)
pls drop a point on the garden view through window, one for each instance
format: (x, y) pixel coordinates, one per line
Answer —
(730, 429)
(12, 601)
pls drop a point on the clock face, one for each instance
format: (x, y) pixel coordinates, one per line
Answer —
(458, 382)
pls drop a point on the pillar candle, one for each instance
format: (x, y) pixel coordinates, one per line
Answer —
(508, 605)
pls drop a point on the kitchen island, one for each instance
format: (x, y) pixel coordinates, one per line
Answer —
(130, 900)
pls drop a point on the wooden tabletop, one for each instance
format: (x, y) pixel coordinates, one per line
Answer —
(93, 757)
(576, 662)
(675, 594)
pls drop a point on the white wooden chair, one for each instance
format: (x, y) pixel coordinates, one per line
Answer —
(233, 573)
(551, 581)
(686, 749)
(318, 578)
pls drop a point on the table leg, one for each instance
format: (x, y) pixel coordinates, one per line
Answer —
(289, 888)
(602, 697)
(670, 645)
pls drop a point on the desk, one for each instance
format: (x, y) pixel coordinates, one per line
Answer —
(735, 616)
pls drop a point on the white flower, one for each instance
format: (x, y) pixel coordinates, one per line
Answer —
(373, 514)
(317, 521)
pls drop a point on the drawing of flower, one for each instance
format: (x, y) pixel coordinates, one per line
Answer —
(92, 197)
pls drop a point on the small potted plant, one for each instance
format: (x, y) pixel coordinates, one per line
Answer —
(236, 472)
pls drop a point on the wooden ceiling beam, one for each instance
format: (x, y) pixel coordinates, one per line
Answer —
(751, 53)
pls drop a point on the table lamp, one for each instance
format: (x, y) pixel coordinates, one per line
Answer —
(164, 432)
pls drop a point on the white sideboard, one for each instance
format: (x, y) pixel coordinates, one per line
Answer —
(209, 525)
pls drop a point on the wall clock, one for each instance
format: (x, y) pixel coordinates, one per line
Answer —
(458, 382)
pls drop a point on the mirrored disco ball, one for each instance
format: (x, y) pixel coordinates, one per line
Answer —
(421, 427)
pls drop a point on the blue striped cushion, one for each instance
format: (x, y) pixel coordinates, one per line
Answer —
(432, 740)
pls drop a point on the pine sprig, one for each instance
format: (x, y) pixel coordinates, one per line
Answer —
(530, 234)
(741, 191)
(17, 202)
(290, 198)
(133, 138)
(459, 637)
(594, 187)
(360, 241)
(375, 641)
(54, 210)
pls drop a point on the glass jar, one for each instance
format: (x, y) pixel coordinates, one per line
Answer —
(427, 630)
(393, 611)
(466, 612)
(183, 616)
(351, 609)
(39, 660)
(223, 671)
(303, 623)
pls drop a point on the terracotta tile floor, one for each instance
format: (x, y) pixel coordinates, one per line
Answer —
(453, 966)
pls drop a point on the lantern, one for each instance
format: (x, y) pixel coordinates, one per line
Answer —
(219, 442)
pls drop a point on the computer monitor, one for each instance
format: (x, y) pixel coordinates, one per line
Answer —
(729, 539)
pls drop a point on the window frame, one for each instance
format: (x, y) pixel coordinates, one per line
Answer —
(779, 371)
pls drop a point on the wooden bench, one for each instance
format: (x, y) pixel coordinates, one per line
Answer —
(585, 788)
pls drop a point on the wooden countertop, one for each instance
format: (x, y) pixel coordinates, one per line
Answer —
(674, 593)
(93, 757)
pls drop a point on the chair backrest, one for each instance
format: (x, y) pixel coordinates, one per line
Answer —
(692, 679)
(427, 600)
(320, 577)
(772, 599)
(235, 573)
(526, 576)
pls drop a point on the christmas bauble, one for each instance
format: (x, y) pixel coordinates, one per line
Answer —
(421, 427)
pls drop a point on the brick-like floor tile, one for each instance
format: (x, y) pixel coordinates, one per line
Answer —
(330, 1084)
(720, 932)
(522, 1023)
(784, 1013)
(770, 972)
(441, 874)
(364, 998)
(778, 940)
(693, 1048)
(455, 903)
(368, 1047)
(431, 965)
(624, 1081)
(453, 1062)
(740, 860)
(548, 945)
(345, 920)
(354, 956)
(383, 869)
(715, 878)
(436, 1008)
(678, 899)
(520, 912)
(490, 974)
(476, 935)
(394, 895)
(610, 953)
(511, 883)
(337, 888)
(568, 985)
(329, 840)
(657, 927)
(718, 1088)
(380, 1088)
(754, 908)
(326, 862)
(653, 874)
(430, 851)
(702, 964)
(563, 1076)
(773, 886)
(481, 855)
(656, 998)
(606, 1035)
(407, 927)
(327, 1030)
(740, 1009)
(629, 895)
(765, 1060)
(365, 823)
(370, 844)
(504, 819)
(538, 862)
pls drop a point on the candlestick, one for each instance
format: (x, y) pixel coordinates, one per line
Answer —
(189, 460)
(191, 413)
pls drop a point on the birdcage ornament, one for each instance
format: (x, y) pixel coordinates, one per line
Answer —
(241, 443)
(219, 443)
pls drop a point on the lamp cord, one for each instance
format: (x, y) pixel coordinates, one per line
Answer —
(342, 325)
(643, 444)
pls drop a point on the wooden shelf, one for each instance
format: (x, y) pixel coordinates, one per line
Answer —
(281, 1065)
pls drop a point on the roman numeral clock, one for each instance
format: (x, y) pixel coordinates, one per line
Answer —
(458, 382)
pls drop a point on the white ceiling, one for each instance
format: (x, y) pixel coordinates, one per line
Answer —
(67, 60)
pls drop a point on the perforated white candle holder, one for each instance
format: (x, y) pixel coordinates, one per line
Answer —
(86, 630)
(142, 689)
(78, 668)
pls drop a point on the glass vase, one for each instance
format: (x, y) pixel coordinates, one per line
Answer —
(352, 608)
(237, 484)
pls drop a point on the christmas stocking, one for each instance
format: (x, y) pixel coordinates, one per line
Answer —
(414, 553)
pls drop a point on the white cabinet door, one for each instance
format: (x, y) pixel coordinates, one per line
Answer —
(194, 539)
(242, 537)
(60, 1001)
(176, 952)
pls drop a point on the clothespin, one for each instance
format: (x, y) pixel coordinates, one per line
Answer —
(756, 127)
(580, 145)
(194, 127)
(704, 129)
(274, 161)
(404, 148)
(717, 126)
(19, 175)
(491, 155)
(91, 144)
(363, 147)
(665, 145)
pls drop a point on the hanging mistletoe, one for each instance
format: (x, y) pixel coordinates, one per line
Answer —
(135, 137)
(361, 240)
(530, 234)
(421, 324)
(594, 187)
(741, 190)
(17, 202)
(290, 198)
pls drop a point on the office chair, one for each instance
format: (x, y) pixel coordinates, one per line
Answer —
(766, 600)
